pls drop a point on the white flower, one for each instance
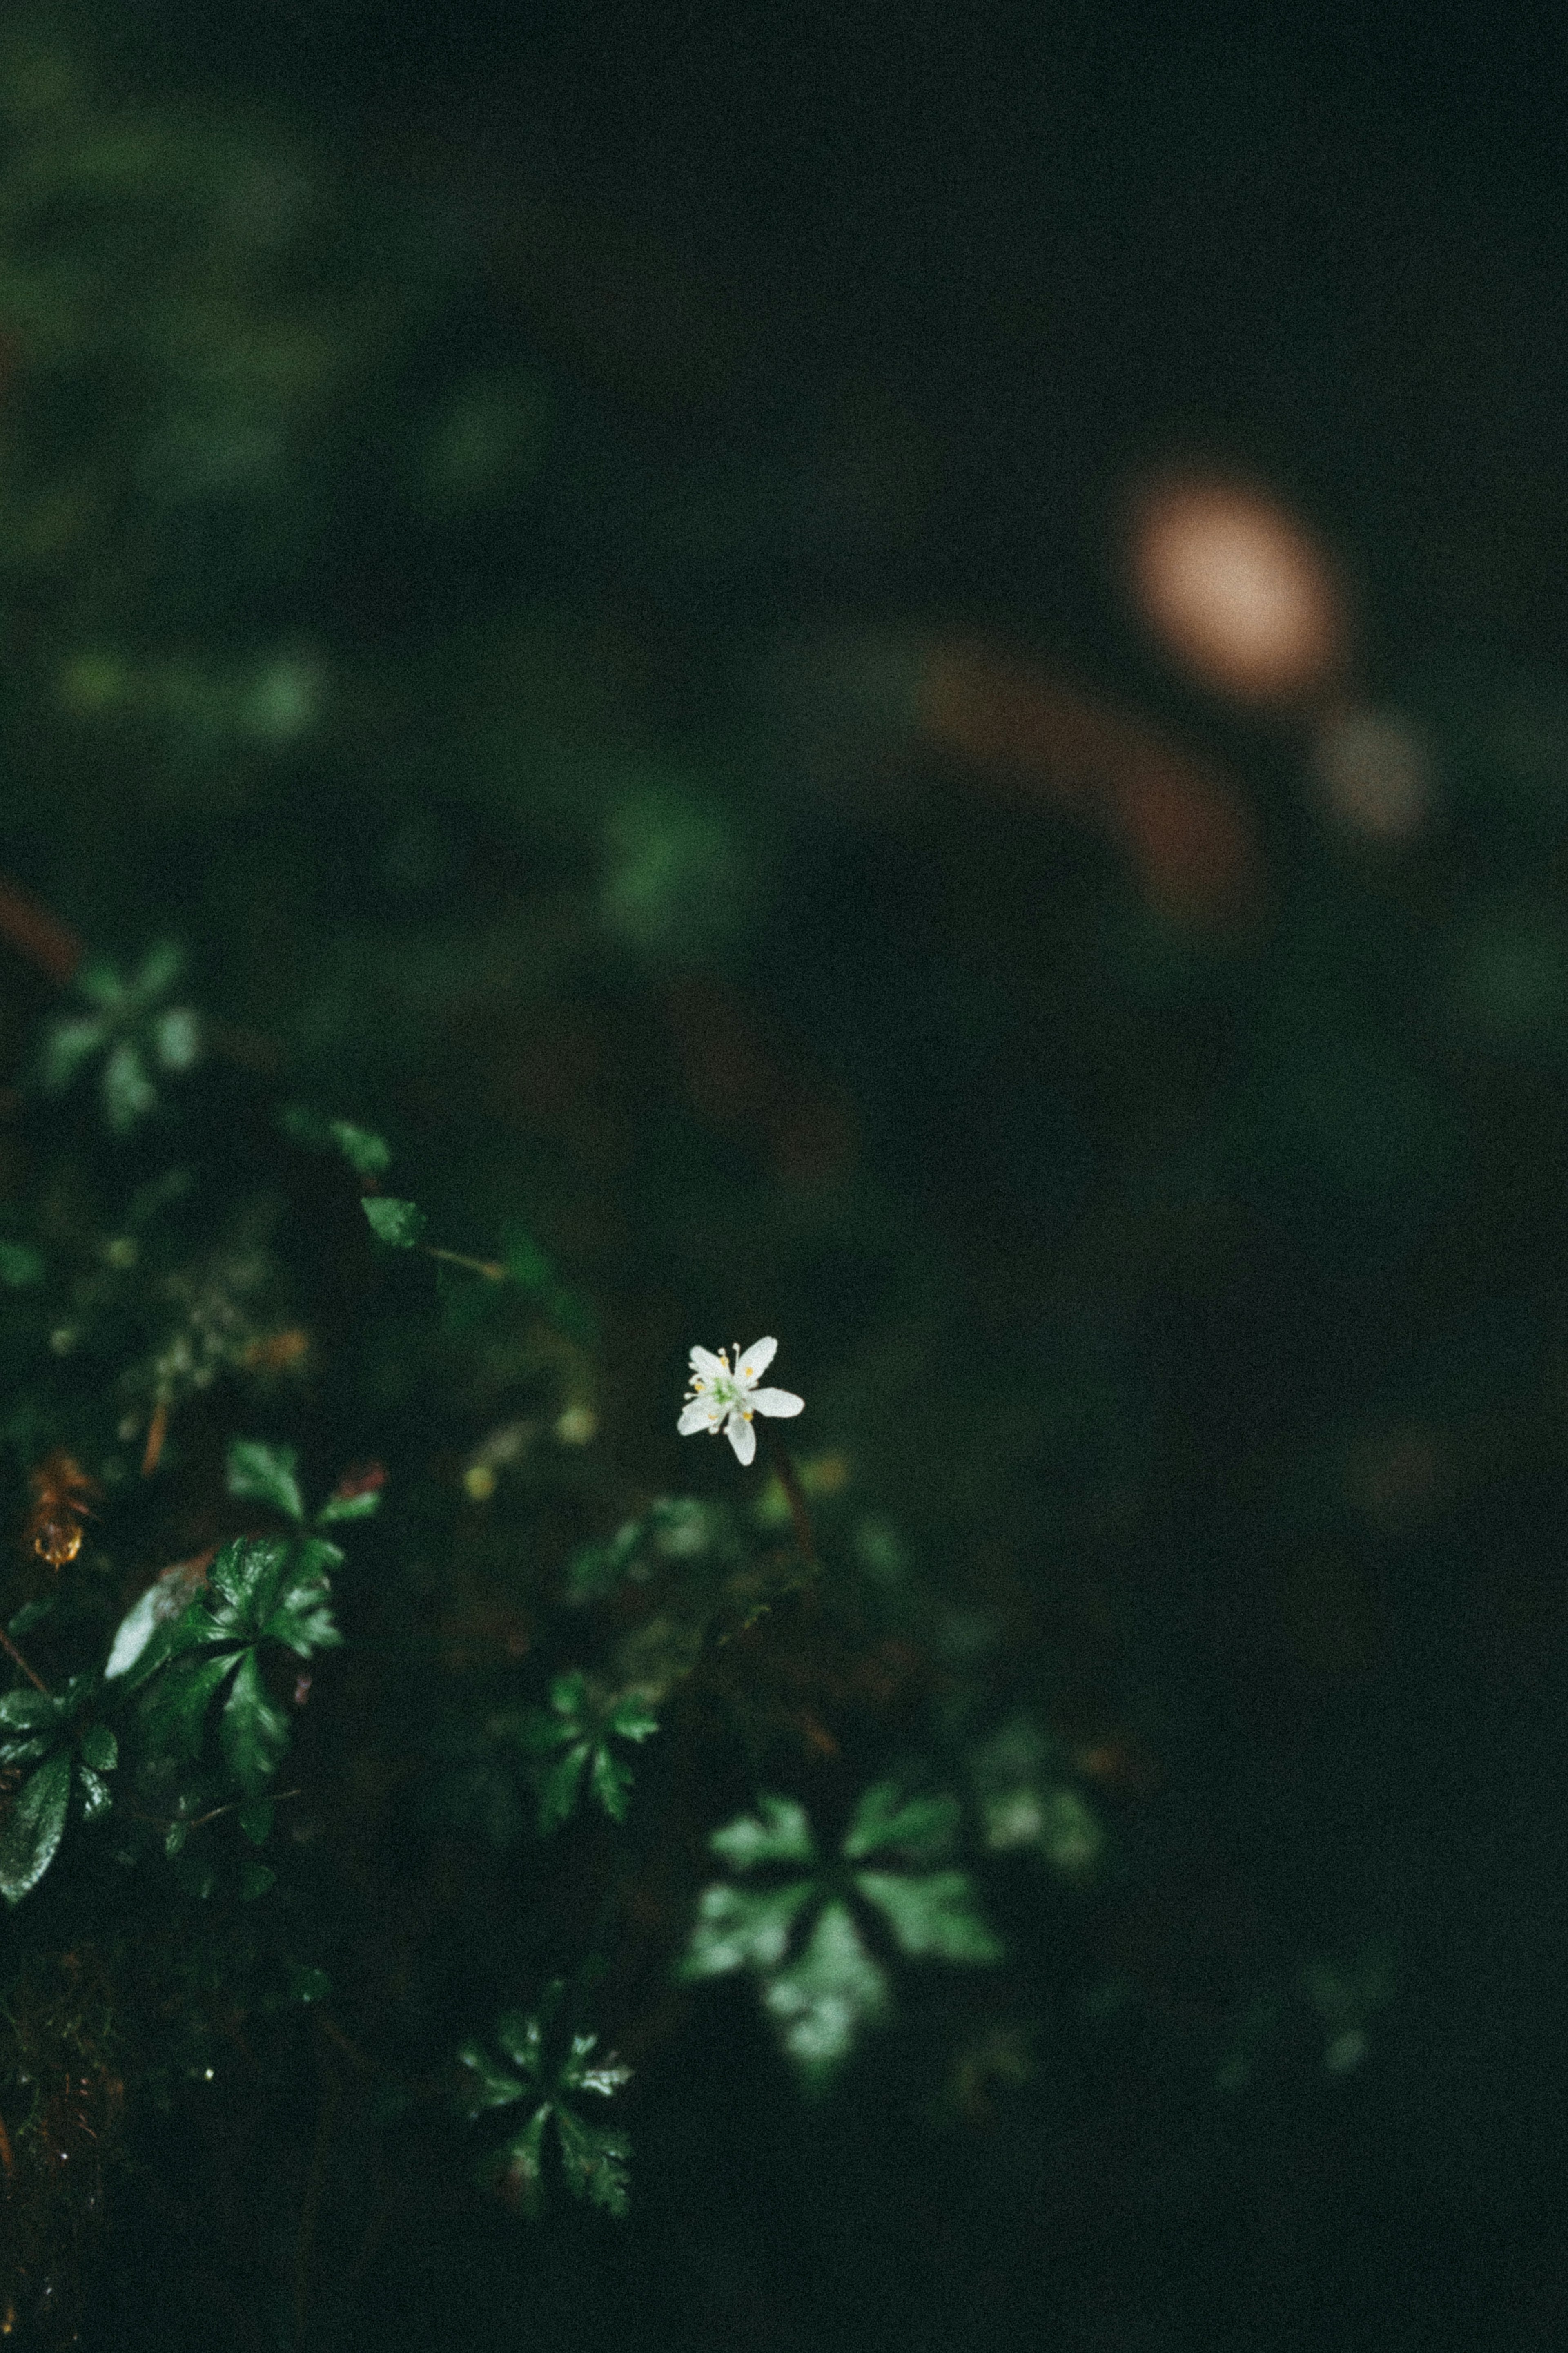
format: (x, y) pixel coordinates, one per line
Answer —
(721, 1400)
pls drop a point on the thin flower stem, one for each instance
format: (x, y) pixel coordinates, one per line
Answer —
(36, 1680)
(488, 1267)
(789, 1479)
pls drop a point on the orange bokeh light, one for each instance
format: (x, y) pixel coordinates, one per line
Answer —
(1236, 590)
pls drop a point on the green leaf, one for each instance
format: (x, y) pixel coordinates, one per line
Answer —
(32, 1613)
(67, 1046)
(612, 1783)
(303, 1620)
(307, 1984)
(932, 1918)
(523, 2040)
(254, 1879)
(559, 1792)
(489, 2085)
(568, 1694)
(160, 968)
(256, 1820)
(632, 1718)
(921, 1826)
(401, 1223)
(832, 1992)
(265, 1474)
(522, 2160)
(254, 1730)
(243, 1582)
(606, 2078)
(176, 1036)
(29, 1709)
(128, 1094)
(594, 2158)
(528, 1265)
(100, 1748)
(781, 1834)
(19, 1265)
(367, 1153)
(32, 1831)
(737, 1929)
(157, 1625)
(96, 1798)
(349, 1508)
(173, 1708)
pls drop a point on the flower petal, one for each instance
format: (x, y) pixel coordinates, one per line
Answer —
(694, 1417)
(779, 1401)
(741, 1436)
(757, 1359)
(703, 1360)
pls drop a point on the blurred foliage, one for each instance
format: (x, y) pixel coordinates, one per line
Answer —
(1130, 1731)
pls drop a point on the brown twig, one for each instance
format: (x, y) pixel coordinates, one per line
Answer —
(36, 1680)
(488, 1267)
(157, 1429)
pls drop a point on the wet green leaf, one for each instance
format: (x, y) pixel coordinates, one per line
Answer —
(31, 1834)
(254, 1730)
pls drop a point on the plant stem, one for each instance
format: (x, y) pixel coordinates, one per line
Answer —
(800, 1517)
(36, 1680)
(488, 1267)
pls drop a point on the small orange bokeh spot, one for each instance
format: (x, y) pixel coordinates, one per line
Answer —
(1237, 591)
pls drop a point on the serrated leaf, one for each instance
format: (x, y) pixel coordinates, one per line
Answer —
(739, 1927)
(558, 1791)
(400, 1223)
(100, 1748)
(256, 1820)
(349, 1508)
(632, 1718)
(173, 1708)
(31, 1834)
(265, 1474)
(255, 1878)
(824, 2001)
(932, 1918)
(303, 1620)
(884, 1819)
(243, 1583)
(96, 1796)
(612, 1783)
(254, 1730)
(606, 2078)
(19, 1265)
(489, 2085)
(521, 2159)
(777, 1833)
(593, 2158)
(523, 2040)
